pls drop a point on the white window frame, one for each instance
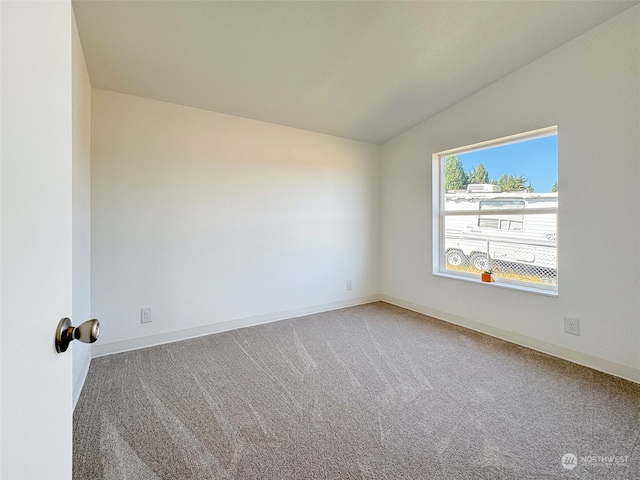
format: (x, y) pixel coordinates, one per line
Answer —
(439, 214)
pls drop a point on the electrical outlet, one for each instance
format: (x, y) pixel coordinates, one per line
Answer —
(145, 315)
(572, 325)
(349, 285)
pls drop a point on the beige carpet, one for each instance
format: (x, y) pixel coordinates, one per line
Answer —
(369, 392)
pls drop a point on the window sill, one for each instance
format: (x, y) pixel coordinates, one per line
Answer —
(501, 284)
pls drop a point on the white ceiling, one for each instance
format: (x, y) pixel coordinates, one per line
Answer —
(360, 70)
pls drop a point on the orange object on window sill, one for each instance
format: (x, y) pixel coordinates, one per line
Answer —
(487, 277)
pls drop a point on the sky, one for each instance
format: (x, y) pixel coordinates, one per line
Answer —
(536, 159)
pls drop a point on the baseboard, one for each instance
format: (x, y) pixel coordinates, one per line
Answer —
(623, 371)
(602, 365)
(99, 350)
(78, 382)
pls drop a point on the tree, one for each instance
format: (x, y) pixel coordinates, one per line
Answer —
(454, 176)
(554, 187)
(512, 183)
(478, 174)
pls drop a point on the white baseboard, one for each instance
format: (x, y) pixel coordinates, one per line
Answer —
(78, 382)
(99, 350)
(602, 365)
(606, 366)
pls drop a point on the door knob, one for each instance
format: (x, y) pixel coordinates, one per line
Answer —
(87, 332)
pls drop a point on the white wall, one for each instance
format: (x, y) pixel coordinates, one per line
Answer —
(210, 219)
(590, 88)
(81, 194)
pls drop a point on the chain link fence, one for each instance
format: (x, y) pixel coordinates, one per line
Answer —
(525, 262)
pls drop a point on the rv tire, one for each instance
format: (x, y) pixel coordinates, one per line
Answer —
(455, 258)
(479, 261)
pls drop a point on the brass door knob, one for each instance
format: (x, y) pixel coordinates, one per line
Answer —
(87, 332)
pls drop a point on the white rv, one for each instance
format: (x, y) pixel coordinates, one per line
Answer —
(517, 231)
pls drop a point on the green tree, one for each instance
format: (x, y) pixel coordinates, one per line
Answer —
(478, 174)
(554, 187)
(454, 176)
(513, 183)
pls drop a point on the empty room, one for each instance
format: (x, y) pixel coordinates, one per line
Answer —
(319, 240)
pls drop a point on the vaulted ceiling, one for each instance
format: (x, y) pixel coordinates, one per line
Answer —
(361, 70)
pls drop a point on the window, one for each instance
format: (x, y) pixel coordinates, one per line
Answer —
(502, 222)
(495, 208)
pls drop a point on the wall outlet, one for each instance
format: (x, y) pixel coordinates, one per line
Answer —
(349, 285)
(572, 325)
(145, 315)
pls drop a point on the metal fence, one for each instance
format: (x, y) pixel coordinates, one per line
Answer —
(525, 262)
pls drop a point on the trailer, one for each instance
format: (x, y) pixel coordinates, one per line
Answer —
(501, 230)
